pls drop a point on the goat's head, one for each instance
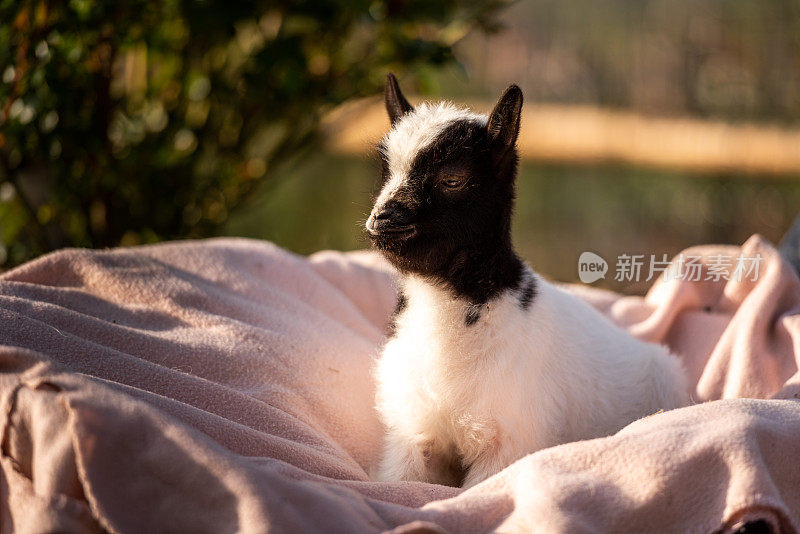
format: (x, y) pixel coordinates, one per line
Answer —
(448, 181)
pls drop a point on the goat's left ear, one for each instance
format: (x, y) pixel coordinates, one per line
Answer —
(503, 125)
(396, 103)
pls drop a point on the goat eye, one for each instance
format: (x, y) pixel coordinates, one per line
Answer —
(452, 182)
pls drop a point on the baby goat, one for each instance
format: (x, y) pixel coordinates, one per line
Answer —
(487, 361)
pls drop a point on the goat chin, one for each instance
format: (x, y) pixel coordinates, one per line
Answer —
(463, 399)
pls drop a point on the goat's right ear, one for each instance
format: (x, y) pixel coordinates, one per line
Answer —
(396, 103)
(503, 124)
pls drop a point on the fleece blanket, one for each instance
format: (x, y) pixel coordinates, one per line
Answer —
(226, 386)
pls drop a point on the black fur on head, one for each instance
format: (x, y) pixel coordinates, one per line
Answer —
(445, 208)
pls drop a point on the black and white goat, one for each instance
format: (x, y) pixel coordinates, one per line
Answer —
(487, 361)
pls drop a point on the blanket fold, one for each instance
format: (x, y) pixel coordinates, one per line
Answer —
(226, 386)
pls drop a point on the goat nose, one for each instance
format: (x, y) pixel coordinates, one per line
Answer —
(387, 219)
(372, 222)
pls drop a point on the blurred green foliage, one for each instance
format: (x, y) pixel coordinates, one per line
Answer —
(737, 60)
(135, 121)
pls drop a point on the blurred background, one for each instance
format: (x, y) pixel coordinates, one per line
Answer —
(649, 125)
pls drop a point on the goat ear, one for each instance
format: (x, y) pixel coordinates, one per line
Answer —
(396, 103)
(503, 125)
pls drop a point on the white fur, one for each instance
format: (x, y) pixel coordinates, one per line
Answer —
(413, 133)
(514, 382)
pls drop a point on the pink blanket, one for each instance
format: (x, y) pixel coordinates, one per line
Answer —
(225, 386)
